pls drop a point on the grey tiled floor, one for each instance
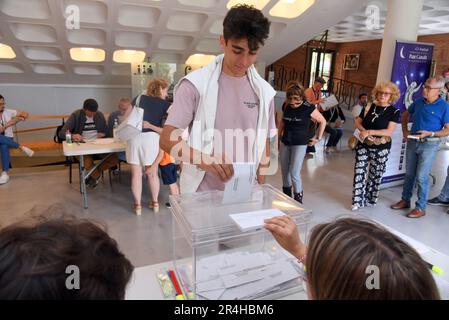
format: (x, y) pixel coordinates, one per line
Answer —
(145, 240)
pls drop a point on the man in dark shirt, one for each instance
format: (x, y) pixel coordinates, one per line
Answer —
(89, 124)
(335, 119)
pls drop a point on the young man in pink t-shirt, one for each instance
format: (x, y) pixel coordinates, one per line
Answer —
(238, 104)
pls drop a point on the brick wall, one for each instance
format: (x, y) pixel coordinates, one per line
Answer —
(369, 58)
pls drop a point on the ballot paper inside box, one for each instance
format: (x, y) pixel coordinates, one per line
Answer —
(215, 259)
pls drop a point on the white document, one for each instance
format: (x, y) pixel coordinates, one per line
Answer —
(357, 135)
(443, 286)
(239, 188)
(330, 101)
(276, 275)
(212, 294)
(103, 141)
(131, 126)
(410, 136)
(254, 220)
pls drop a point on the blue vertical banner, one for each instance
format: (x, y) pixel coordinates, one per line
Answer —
(411, 68)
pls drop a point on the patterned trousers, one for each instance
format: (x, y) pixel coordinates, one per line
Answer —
(365, 189)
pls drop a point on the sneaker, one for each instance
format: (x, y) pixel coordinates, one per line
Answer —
(4, 178)
(168, 205)
(371, 205)
(437, 202)
(328, 150)
(92, 182)
(355, 207)
(28, 151)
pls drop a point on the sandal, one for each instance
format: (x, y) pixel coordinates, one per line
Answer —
(154, 205)
(137, 209)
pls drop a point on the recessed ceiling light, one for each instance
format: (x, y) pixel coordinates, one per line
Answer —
(6, 52)
(290, 9)
(259, 4)
(128, 56)
(87, 54)
(199, 60)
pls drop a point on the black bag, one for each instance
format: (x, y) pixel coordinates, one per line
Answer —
(56, 137)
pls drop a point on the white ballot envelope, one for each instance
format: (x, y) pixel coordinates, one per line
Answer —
(357, 135)
(330, 101)
(239, 188)
(254, 220)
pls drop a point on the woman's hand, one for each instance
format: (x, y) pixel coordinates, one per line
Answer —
(364, 134)
(77, 137)
(285, 231)
(313, 142)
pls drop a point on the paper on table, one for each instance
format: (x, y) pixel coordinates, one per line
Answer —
(103, 141)
(276, 275)
(443, 286)
(330, 101)
(212, 294)
(253, 220)
(239, 188)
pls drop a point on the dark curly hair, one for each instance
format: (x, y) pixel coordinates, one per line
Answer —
(246, 22)
(35, 254)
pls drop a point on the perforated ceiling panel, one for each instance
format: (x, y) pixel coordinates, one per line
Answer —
(166, 30)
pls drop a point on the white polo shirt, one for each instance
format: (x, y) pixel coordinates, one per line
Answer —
(7, 115)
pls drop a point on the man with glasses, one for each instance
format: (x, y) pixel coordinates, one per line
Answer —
(430, 123)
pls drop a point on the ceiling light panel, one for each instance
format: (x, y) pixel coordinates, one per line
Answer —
(128, 56)
(87, 54)
(6, 52)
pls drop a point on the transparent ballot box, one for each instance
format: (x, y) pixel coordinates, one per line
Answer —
(214, 259)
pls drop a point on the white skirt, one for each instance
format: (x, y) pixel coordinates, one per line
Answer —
(143, 149)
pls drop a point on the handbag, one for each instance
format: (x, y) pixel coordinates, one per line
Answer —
(131, 126)
(353, 140)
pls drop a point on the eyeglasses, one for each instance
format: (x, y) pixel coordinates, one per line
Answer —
(383, 93)
(430, 88)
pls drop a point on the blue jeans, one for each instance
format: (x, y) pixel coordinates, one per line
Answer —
(444, 194)
(334, 135)
(419, 160)
(5, 144)
(291, 164)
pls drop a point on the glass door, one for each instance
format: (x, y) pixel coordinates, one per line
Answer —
(321, 64)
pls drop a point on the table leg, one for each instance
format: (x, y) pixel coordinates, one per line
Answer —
(83, 182)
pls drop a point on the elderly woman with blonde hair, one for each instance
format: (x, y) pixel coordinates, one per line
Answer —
(376, 124)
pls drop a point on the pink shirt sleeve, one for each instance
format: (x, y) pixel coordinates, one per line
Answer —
(185, 104)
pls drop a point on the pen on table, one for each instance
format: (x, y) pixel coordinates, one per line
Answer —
(434, 268)
(179, 295)
(185, 283)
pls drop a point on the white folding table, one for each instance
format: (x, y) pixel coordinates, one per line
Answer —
(91, 148)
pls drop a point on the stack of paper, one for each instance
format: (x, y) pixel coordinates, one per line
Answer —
(243, 275)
